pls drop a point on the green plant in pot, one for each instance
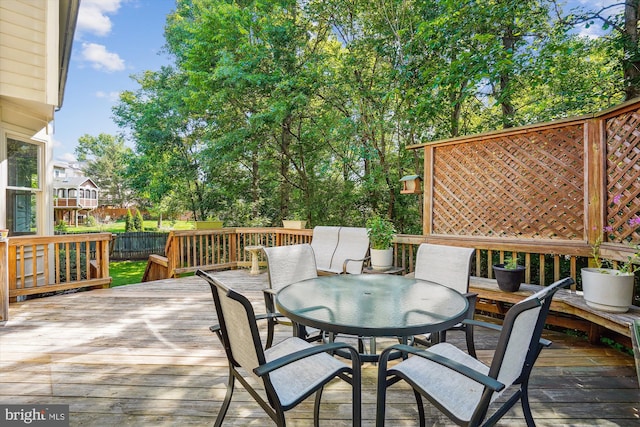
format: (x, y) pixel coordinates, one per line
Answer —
(509, 275)
(381, 233)
(609, 286)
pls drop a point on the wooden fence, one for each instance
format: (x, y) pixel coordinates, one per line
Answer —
(138, 245)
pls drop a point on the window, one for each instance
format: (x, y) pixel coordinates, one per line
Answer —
(23, 160)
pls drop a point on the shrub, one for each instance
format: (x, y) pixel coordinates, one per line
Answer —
(128, 222)
(61, 226)
(90, 221)
(138, 222)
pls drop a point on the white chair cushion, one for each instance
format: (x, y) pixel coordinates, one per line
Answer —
(294, 380)
(454, 391)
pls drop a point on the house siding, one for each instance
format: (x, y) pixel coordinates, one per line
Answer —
(23, 50)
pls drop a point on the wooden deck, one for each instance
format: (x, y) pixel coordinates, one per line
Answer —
(142, 355)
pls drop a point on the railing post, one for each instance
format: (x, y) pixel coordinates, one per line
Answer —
(234, 244)
(596, 195)
(427, 211)
(171, 252)
(104, 258)
(4, 282)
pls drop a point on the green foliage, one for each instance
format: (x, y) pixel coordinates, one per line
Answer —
(128, 222)
(61, 226)
(281, 107)
(106, 159)
(511, 263)
(90, 221)
(381, 232)
(138, 222)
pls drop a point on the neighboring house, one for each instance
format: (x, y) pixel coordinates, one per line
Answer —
(67, 170)
(74, 198)
(35, 48)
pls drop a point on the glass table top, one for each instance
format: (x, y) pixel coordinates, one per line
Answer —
(372, 305)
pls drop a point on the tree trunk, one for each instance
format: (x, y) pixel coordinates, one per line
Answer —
(508, 110)
(285, 187)
(631, 63)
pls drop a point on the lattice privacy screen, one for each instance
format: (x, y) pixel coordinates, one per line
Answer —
(528, 185)
(623, 176)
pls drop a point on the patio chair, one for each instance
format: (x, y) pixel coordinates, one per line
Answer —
(461, 386)
(340, 250)
(449, 266)
(286, 265)
(289, 372)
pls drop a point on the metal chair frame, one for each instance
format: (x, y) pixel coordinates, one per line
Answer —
(266, 368)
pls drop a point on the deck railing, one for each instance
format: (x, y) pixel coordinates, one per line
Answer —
(41, 264)
(216, 249)
(545, 260)
(74, 261)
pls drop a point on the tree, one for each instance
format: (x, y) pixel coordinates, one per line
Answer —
(283, 107)
(128, 222)
(106, 158)
(138, 221)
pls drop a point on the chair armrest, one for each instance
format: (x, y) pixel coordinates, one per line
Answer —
(472, 374)
(302, 354)
(486, 325)
(216, 328)
(348, 260)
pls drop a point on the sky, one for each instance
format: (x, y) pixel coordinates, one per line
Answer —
(114, 40)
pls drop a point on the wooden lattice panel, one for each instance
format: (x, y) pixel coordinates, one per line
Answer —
(623, 176)
(524, 186)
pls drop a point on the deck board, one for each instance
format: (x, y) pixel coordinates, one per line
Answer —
(142, 355)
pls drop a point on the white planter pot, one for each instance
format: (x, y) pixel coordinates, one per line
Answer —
(293, 223)
(607, 289)
(381, 259)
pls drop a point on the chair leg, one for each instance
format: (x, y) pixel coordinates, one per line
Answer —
(356, 395)
(381, 392)
(420, 408)
(471, 345)
(227, 399)
(316, 408)
(526, 408)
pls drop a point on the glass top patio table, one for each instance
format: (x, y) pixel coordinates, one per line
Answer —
(372, 305)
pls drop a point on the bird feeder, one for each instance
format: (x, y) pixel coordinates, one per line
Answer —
(411, 184)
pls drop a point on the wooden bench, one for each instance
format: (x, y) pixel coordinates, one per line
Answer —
(568, 309)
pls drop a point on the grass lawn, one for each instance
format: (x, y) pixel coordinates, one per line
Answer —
(118, 226)
(126, 272)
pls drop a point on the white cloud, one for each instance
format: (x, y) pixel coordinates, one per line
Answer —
(100, 58)
(111, 96)
(92, 16)
(68, 157)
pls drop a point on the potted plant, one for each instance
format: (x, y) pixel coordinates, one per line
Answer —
(381, 232)
(607, 288)
(509, 275)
